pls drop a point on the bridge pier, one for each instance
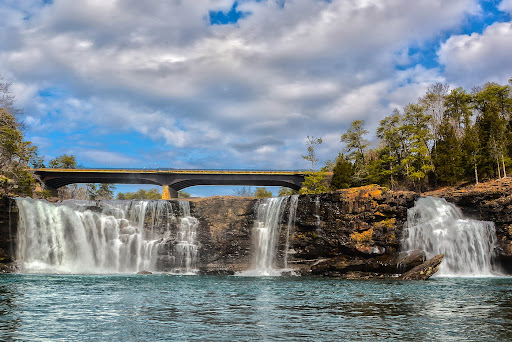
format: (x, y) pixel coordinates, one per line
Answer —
(168, 192)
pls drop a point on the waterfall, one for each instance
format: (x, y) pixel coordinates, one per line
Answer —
(438, 227)
(186, 247)
(119, 236)
(294, 200)
(266, 233)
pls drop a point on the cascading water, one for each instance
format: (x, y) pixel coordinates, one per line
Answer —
(126, 236)
(186, 248)
(266, 234)
(294, 200)
(438, 227)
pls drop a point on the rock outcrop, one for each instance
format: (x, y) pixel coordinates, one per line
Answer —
(357, 229)
(8, 220)
(352, 233)
(425, 270)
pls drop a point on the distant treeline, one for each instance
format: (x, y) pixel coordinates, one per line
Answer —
(448, 136)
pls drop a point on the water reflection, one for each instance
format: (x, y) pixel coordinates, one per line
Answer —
(9, 317)
(252, 309)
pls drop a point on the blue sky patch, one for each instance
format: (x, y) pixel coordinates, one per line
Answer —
(226, 18)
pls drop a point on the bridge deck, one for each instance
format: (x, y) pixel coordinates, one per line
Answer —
(175, 179)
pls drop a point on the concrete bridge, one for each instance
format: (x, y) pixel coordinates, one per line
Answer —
(171, 180)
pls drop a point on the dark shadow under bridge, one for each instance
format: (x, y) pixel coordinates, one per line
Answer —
(171, 180)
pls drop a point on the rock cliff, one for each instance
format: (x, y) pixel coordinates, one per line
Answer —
(352, 233)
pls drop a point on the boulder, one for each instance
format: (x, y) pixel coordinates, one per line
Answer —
(144, 272)
(425, 270)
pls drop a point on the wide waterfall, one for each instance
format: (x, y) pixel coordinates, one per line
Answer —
(438, 227)
(266, 235)
(118, 236)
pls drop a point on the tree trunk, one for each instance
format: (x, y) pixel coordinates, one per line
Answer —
(499, 170)
(476, 174)
(503, 163)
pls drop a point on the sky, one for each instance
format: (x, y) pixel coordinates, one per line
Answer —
(223, 84)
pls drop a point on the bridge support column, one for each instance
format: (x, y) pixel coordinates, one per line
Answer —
(168, 192)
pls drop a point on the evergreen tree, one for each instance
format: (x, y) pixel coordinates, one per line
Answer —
(447, 155)
(390, 155)
(494, 105)
(471, 157)
(418, 161)
(342, 173)
(458, 110)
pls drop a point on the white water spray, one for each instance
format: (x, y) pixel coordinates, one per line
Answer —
(438, 227)
(186, 248)
(127, 236)
(266, 233)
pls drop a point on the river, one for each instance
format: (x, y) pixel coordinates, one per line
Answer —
(212, 308)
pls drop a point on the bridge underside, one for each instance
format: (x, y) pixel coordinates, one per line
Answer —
(176, 181)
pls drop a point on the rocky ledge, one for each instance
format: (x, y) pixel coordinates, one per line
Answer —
(352, 233)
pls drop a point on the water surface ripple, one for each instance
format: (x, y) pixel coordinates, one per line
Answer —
(201, 308)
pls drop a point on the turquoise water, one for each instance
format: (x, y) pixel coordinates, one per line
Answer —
(202, 308)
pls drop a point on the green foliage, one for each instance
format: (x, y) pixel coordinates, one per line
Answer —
(16, 154)
(262, 192)
(447, 155)
(63, 162)
(283, 191)
(183, 194)
(355, 144)
(343, 172)
(153, 194)
(315, 183)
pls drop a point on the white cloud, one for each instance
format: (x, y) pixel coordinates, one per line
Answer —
(506, 6)
(478, 58)
(222, 91)
(106, 158)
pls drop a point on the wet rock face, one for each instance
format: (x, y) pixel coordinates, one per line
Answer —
(225, 231)
(387, 264)
(8, 220)
(364, 222)
(425, 270)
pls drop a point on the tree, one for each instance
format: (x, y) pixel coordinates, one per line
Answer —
(284, 191)
(418, 162)
(355, 143)
(314, 183)
(244, 191)
(311, 144)
(141, 194)
(494, 105)
(16, 154)
(355, 146)
(63, 162)
(262, 192)
(458, 109)
(433, 104)
(342, 173)
(70, 191)
(183, 194)
(471, 152)
(105, 191)
(447, 155)
(390, 132)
